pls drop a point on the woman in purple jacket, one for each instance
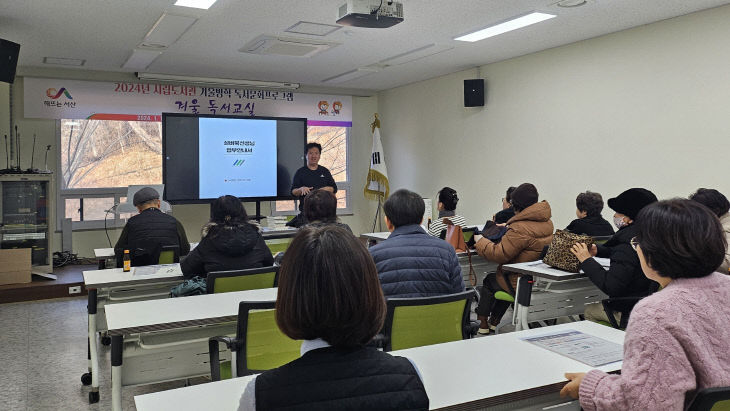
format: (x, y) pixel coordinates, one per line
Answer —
(677, 340)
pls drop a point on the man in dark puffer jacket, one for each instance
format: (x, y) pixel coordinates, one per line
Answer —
(147, 231)
(410, 262)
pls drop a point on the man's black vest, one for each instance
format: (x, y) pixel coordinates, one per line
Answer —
(150, 229)
(342, 379)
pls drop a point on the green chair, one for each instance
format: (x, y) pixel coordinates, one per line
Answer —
(415, 322)
(241, 280)
(278, 245)
(711, 399)
(259, 345)
(468, 235)
(169, 254)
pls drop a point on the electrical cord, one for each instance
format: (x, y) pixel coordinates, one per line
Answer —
(105, 227)
(378, 9)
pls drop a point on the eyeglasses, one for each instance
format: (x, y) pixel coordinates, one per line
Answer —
(634, 243)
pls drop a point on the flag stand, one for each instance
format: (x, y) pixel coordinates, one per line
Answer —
(377, 173)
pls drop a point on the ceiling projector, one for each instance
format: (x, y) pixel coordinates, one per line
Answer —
(370, 13)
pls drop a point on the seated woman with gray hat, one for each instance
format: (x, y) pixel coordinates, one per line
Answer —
(149, 230)
(624, 277)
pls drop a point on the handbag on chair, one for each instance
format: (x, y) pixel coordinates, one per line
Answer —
(455, 237)
(559, 255)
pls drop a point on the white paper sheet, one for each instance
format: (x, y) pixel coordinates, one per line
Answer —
(155, 269)
(579, 346)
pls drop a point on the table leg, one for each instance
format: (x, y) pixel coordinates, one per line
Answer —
(523, 295)
(117, 343)
(92, 376)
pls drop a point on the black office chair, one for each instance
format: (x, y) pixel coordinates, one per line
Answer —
(711, 399)
(622, 305)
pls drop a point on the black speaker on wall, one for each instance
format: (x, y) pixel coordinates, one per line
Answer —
(8, 60)
(474, 92)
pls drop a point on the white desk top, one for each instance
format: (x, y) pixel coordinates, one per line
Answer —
(453, 373)
(542, 270)
(109, 252)
(179, 312)
(115, 276)
(472, 370)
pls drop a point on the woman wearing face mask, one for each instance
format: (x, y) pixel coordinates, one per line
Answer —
(624, 278)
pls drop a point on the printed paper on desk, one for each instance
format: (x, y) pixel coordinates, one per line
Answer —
(154, 269)
(579, 346)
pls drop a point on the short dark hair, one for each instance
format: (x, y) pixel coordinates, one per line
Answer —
(508, 195)
(590, 202)
(448, 197)
(320, 205)
(712, 199)
(681, 238)
(329, 289)
(404, 207)
(312, 145)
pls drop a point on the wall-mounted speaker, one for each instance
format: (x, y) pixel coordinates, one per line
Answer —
(8, 60)
(474, 92)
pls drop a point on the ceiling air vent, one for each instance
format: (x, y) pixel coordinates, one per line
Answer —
(286, 46)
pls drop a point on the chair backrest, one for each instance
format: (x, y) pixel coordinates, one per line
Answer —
(169, 254)
(414, 322)
(262, 345)
(241, 280)
(711, 399)
(278, 245)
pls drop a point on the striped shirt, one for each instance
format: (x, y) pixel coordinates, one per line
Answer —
(438, 225)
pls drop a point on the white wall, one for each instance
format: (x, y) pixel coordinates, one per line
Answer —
(646, 107)
(191, 216)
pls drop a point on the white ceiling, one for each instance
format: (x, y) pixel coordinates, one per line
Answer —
(104, 32)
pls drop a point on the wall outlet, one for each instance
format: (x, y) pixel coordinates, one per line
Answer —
(74, 290)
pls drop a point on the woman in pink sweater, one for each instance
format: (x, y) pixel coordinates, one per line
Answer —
(678, 339)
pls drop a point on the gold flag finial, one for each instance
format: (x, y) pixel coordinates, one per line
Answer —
(375, 123)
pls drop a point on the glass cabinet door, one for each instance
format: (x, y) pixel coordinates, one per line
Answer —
(24, 216)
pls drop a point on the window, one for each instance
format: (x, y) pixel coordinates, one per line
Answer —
(98, 160)
(335, 156)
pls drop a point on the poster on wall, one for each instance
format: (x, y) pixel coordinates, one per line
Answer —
(132, 101)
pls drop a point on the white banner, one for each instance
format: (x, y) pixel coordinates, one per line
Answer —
(75, 99)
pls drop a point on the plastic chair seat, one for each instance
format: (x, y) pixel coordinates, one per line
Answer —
(503, 296)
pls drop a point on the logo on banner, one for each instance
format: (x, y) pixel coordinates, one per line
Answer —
(238, 163)
(323, 107)
(52, 93)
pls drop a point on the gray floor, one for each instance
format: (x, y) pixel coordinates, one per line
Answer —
(43, 354)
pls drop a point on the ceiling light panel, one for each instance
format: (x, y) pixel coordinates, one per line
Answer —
(312, 29)
(512, 24)
(197, 4)
(62, 61)
(141, 59)
(415, 54)
(352, 75)
(173, 78)
(167, 30)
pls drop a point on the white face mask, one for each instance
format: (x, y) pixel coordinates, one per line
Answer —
(619, 222)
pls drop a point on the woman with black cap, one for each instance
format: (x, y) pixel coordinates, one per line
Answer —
(624, 278)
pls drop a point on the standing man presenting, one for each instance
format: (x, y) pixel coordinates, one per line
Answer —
(308, 178)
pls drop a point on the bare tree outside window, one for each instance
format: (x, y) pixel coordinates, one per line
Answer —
(104, 153)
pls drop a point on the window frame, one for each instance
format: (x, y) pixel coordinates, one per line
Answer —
(115, 221)
(63, 194)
